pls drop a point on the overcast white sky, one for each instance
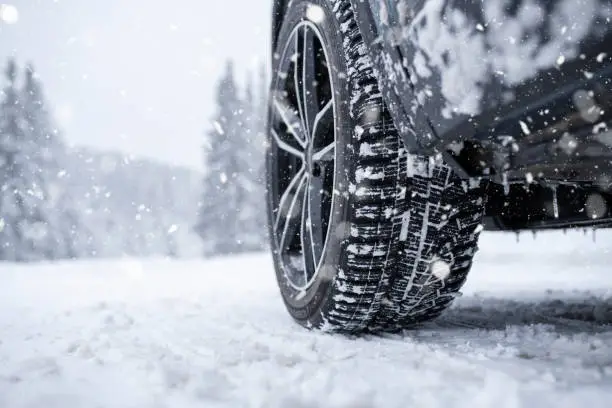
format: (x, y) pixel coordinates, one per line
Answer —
(136, 75)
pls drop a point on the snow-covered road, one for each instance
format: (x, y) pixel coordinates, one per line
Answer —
(533, 329)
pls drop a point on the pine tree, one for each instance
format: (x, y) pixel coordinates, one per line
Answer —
(259, 112)
(232, 210)
(21, 197)
(262, 100)
(37, 221)
(253, 204)
(217, 219)
(10, 130)
(261, 123)
(246, 156)
(45, 153)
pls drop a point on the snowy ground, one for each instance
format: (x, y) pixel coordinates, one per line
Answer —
(533, 329)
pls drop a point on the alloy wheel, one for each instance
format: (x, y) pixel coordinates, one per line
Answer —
(302, 141)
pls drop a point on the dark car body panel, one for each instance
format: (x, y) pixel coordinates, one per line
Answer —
(278, 10)
(489, 70)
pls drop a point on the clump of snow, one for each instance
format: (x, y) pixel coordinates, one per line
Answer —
(365, 149)
(359, 131)
(440, 269)
(510, 46)
(368, 174)
(416, 166)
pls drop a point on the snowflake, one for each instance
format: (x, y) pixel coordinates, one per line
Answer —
(8, 13)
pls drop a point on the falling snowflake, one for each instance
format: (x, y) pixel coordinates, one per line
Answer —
(8, 13)
(315, 13)
(218, 128)
(524, 127)
(560, 60)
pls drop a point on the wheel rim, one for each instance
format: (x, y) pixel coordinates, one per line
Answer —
(303, 146)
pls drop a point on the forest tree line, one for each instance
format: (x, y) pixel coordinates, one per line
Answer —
(61, 202)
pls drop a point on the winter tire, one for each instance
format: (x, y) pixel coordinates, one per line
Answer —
(364, 236)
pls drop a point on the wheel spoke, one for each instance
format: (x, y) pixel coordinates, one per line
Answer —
(315, 220)
(327, 153)
(305, 78)
(286, 146)
(297, 77)
(291, 119)
(323, 123)
(288, 215)
(308, 246)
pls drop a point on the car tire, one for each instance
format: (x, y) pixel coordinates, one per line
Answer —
(364, 235)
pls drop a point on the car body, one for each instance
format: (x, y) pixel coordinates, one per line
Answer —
(398, 129)
(530, 112)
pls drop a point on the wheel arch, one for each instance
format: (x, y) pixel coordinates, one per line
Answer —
(278, 11)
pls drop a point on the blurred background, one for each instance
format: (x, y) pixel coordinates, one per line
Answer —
(125, 126)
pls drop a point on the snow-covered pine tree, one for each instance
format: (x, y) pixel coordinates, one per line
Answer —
(21, 196)
(262, 99)
(244, 178)
(232, 209)
(46, 151)
(253, 215)
(218, 223)
(10, 132)
(261, 103)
